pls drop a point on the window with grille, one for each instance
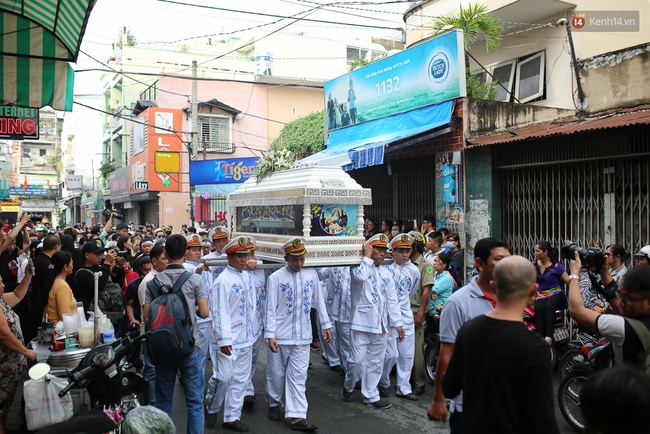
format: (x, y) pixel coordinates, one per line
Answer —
(214, 135)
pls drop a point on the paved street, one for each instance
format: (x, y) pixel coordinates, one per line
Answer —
(332, 414)
(326, 408)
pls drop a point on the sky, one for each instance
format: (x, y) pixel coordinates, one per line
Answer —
(163, 23)
(157, 23)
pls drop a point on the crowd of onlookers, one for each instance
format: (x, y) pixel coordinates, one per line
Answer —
(42, 279)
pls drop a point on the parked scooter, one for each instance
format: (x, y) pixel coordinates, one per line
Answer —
(560, 333)
(110, 386)
(598, 356)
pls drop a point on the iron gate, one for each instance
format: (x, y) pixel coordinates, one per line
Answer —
(409, 193)
(595, 202)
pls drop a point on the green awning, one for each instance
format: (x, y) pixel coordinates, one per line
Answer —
(37, 40)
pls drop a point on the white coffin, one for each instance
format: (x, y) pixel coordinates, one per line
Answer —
(324, 205)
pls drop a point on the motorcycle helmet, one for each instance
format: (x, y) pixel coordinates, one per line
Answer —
(418, 239)
(644, 252)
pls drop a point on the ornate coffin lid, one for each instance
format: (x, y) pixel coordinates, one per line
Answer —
(310, 184)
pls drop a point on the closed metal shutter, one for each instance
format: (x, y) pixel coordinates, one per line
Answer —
(409, 193)
(598, 202)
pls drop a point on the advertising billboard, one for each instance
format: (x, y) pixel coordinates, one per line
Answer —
(158, 164)
(221, 171)
(19, 123)
(428, 73)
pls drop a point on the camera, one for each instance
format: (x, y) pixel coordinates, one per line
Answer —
(107, 214)
(591, 257)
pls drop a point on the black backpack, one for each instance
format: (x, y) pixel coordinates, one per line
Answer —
(644, 336)
(110, 300)
(169, 322)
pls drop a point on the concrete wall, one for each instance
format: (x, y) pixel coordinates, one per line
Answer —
(483, 196)
(618, 79)
(484, 117)
(248, 132)
(522, 39)
(172, 209)
(283, 100)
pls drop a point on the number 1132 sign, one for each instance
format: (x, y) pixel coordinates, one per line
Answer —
(429, 73)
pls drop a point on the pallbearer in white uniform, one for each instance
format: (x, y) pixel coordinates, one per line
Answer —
(257, 320)
(219, 237)
(406, 278)
(233, 298)
(291, 293)
(374, 304)
(338, 308)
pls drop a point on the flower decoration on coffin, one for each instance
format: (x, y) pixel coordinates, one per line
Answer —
(273, 160)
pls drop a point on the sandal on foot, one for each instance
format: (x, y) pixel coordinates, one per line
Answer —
(303, 425)
(409, 396)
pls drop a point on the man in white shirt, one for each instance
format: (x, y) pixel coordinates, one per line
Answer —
(232, 309)
(292, 291)
(406, 278)
(373, 304)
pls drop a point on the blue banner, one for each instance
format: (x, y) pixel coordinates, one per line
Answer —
(29, 192)
(426, 74)
(224, 171)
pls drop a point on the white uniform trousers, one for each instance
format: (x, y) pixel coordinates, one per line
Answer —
(205, 341)
(343, 346)
(329, 349)
(234, 371)
(287, 370)
(250, 389)
(366, 362)
(402, 354)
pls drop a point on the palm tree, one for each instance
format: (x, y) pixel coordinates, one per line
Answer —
(472, 21)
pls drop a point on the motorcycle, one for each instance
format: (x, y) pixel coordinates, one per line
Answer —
(561, 335)
(111, 388)
(574, 354)
(431, 353)
(598, 356)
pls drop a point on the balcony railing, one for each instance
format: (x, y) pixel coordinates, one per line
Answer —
(217, 148)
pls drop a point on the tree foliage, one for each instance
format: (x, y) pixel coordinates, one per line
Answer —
(361, 62)
(304, 136)
(478, 90)
(473, 20)
(55, 162)
(131, 40)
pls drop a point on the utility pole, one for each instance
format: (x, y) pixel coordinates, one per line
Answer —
(581, 94)
(195, 134)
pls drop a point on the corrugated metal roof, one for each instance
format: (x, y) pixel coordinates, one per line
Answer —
(607, 119)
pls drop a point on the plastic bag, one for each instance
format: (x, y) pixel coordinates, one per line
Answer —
(43, 406)
(147, 420)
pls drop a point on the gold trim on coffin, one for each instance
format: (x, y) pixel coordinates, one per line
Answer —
(310, 241)
(330, 254)
(299, 194)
